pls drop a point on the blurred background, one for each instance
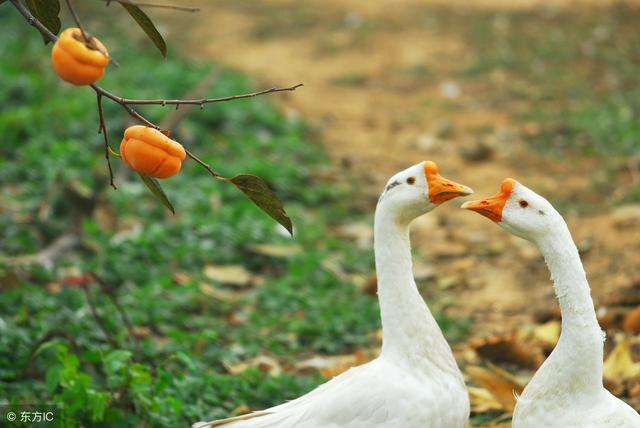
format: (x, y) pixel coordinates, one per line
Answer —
(214, 311)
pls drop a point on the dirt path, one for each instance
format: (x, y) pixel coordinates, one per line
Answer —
(383, 88)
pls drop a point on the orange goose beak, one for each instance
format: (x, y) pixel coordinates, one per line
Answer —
(440, 188)
(492, 207)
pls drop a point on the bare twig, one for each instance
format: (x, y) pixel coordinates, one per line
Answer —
(107, 289)
(97, 317)
(204, 165)
(103, 129)
(129, 110)
(156, 5)
(201, 101)
(173, 118)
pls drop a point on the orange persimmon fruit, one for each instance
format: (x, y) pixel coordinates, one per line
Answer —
(151, 152)
(77, 61)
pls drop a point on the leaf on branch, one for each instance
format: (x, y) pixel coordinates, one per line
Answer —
(46, 11)
(156, 189)
(260, 194)
(147, 26)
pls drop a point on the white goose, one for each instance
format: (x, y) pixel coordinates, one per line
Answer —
(567, 390)
(415, 381)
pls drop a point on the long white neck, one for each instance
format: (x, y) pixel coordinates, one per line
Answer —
(576, 362)
(410, 333)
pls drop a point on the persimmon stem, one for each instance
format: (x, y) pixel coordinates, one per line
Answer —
(204, 165)
(107, 148)
(77, 21)
(159, 6)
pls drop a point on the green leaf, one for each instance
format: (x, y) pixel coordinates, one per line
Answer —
(52, 378)
(257, 190)
(46, 11)
(147, 26)
(97, 403)
(156, 189)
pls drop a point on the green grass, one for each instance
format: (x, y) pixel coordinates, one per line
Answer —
(53, 179)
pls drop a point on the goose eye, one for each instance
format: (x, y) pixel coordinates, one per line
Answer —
(523, 203)
(411, 180)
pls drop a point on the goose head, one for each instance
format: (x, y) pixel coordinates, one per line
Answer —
(417, 190)
(519, 210)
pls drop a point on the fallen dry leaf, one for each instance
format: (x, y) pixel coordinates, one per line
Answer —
(548, 333)
(482, 401)
(362, 233)
(333, 365)
(273, 250)
(141, 331)
(181, 278)
(626, 216)
(507, 349)
(624, 295)
(619, 365)
(634, 388)
(422, 271)
(236, 275)
(218, 294)
(333, 264)
(631, 323)
(370, 285)
(499, 383)
(264, 363)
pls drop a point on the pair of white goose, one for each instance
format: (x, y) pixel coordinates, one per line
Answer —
(415, 382)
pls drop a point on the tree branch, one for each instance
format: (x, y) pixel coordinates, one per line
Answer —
(200, 101)
(31, 20)
(103, 129)
(107, 289)
(159, 6)
(96, 316)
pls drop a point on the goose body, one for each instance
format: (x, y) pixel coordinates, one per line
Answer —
(415, 382)
(567, 390)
